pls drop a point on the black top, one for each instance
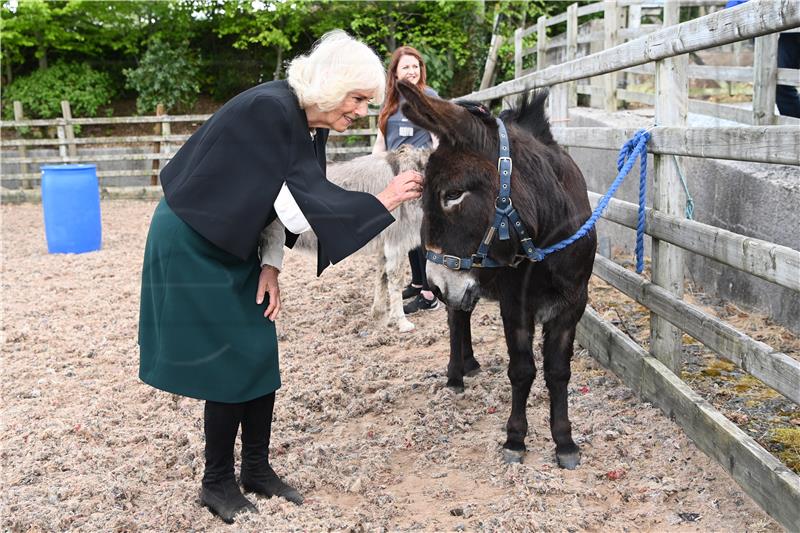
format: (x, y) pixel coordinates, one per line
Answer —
(224, 181)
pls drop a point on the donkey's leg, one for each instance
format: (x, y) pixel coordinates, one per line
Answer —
(471, 365)
(458, 323)
(380, 296)
(395, 269)
(519, 328)
(559, 336)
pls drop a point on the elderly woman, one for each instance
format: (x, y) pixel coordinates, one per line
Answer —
(254, 168)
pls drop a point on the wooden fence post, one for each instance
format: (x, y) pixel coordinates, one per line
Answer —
(158, 129)
(672, 102)
(494, 48)
(595, 26)
(765, 76)
(572, 51)
(518, 53)
(69, 131)
(23, 152)
(634, 23)
(541, 43)
(610, 31)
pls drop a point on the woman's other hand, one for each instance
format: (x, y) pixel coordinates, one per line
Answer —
(405, 186)
(268, 283)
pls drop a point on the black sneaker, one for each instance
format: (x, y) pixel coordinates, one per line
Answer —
(420, 304)
(409, 291)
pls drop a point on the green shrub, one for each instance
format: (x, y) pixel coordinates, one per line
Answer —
(166, 74)
(42, 91)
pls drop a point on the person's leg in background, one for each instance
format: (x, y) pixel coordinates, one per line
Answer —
(425, 300)
(788, 57)
(417, 276)
(221, 493)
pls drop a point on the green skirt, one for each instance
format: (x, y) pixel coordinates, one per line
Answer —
(201, 333)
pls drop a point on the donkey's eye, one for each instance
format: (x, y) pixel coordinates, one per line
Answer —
(452, 199)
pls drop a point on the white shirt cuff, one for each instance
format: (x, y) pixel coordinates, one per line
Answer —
(289, 212)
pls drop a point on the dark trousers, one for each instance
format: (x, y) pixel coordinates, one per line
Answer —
(788, 57)
(221, 424)
(417, 260)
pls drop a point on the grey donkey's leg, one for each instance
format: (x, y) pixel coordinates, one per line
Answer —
(380, 296)
(395, 270)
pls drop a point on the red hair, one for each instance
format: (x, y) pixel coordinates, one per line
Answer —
(392, 100)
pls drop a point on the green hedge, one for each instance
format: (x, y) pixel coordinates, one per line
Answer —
(42, 91)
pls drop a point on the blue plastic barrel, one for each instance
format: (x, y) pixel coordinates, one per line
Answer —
(71, 203)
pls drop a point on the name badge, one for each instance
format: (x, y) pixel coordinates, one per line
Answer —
(406, 131)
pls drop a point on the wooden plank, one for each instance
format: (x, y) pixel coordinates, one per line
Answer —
(590, 9)
(559, 105)
(610, 40)
(541, 43)
(491, 62)
(572, 50)
(133, 139)
(667, 266)
(744, 21)
(772, 262)
(596, 47)
(69, 130)
(765, 68)
(771, 484)
(763, 144)
(517, 53)
(62, 146)
(785, 76)
(156, 147)
(23, 153)
(626, 34)
(774, 368)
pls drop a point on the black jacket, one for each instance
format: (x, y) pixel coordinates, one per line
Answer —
(224, 181)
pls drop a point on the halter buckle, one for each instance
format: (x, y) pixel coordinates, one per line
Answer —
(452, 262)
(500, 162)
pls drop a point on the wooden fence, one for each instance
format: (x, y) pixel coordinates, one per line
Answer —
(622, 21)
(655, 375)
(159, 147)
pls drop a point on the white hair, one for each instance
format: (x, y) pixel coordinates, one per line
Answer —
(335, 66)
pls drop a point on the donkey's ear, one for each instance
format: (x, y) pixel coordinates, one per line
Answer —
(451, 123)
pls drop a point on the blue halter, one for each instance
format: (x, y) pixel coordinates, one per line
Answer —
(505, 216)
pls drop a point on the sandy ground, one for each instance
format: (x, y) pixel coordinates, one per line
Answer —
(363, 426)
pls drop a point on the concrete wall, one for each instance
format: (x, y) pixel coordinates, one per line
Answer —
(752, 199)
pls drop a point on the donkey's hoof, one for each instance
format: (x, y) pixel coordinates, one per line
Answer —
(513, 456)
(404, 326)
(471, 368)
(456, 386)
(569, 460)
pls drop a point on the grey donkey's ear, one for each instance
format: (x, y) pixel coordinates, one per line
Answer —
(453, 124)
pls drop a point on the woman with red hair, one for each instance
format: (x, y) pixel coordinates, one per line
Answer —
(395, 130)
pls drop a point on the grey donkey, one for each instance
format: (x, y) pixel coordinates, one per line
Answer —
(372, 173)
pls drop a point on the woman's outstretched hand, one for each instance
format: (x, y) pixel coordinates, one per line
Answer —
(268, 282)
(405, 186)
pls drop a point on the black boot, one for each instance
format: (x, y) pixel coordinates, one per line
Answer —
(220, 492)
(257, 475)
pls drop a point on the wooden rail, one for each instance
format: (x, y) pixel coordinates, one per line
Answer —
(773, 486)
(161, 147)
(763, 76)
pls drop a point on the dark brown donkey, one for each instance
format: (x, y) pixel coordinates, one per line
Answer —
(548, 193)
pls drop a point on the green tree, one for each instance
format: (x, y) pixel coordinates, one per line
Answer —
(167, 74)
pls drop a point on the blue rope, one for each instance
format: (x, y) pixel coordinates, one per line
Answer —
(635, 147)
